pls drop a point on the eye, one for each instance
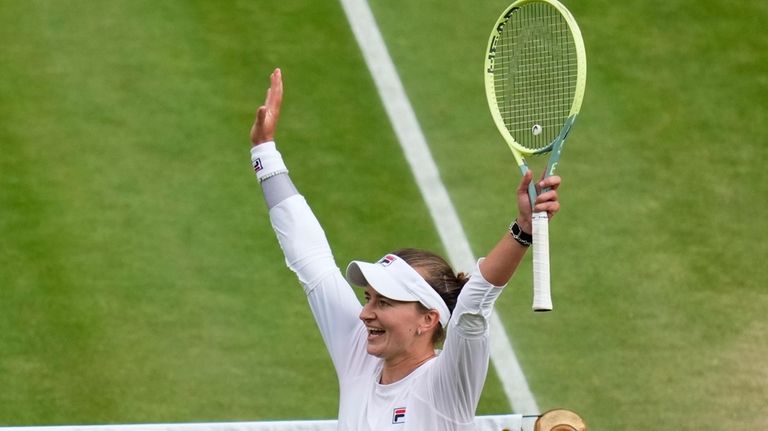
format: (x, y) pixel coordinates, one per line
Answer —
(384, 303)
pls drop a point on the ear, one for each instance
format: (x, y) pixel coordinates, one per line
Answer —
(430, 321)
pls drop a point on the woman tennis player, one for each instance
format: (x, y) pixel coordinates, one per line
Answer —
(390, 374)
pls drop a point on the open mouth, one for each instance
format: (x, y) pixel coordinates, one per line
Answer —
(374, 332)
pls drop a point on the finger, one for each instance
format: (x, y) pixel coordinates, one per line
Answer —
(257, 130)
(524, 182)
(276, 76)
(268, 97)
(275, 92)
(551, 182)
(258, 117)
(548, 202)
(548, 196)
(261, 114)
(551, 207)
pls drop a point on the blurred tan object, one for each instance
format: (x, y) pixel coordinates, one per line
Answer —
(560, 420)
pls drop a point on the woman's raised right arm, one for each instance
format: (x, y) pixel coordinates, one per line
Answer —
(302, 239)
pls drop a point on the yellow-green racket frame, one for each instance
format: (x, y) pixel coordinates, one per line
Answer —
(542, 300)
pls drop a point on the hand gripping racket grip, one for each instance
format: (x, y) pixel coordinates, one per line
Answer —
(542, 299)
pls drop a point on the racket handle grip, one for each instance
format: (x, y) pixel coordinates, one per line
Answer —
(542, 298)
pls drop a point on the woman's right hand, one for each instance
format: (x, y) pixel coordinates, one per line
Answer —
(265, 123)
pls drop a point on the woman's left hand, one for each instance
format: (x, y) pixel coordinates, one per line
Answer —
(546, 201)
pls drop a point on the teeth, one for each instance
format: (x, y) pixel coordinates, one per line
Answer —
(375, 331)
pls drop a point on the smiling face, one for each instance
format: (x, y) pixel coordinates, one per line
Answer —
(393, 325)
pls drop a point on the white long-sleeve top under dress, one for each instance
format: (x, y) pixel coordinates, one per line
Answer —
(441, 395)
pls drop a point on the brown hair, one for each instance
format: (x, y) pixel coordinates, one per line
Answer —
(439, 274)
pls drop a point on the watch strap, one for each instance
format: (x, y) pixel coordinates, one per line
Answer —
(524, 238)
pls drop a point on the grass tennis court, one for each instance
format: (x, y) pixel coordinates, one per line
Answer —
(140, 280)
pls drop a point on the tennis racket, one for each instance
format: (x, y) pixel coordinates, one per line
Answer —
(535, 73)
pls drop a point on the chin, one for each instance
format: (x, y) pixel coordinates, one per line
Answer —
(374, 351)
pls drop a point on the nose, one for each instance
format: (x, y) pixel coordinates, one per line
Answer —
(366, 314)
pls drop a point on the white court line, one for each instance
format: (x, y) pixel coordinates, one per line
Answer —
(441, 209)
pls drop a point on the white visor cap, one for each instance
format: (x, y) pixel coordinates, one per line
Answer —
(393, 278)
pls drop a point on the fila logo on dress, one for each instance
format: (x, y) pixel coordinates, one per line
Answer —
(398, 415)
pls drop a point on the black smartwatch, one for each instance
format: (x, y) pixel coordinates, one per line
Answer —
(524, 238)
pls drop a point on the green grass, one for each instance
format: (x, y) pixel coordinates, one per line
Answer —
(140, 280)
(657, 255)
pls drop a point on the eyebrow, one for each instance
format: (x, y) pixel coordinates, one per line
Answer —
(380, 297)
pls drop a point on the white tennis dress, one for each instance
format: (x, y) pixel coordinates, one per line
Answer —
(441, 395)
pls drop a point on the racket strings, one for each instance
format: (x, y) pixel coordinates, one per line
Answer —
(535, 74)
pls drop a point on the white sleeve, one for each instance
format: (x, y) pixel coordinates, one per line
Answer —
(307, 253)
(460, 371)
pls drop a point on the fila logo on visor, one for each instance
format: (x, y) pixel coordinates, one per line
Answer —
(387, 260)
(398, 415)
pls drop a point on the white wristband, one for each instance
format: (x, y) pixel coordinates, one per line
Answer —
(267, 161)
